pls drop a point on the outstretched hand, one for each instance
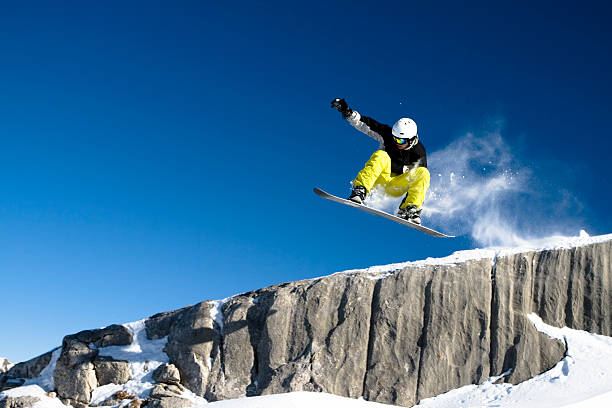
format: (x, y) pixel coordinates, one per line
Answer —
(342, 107)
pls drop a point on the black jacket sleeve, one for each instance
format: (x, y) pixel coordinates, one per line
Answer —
(376, 130)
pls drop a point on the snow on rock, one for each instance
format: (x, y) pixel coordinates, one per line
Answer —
(216, 312)
(144, 356)
(534, 245)
(5, 365)
(581, 379)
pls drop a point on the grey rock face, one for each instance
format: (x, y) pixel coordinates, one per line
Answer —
(327, 324)
(109, 371)
(573, 287)
(158, 326)
(191, 339)
(430, 331)
(515, 344)
(18, 402)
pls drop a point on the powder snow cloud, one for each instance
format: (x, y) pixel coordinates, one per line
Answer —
(478, 187)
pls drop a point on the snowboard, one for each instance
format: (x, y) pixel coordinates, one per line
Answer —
(380, 213)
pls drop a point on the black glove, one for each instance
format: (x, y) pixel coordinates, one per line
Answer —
(342, 107)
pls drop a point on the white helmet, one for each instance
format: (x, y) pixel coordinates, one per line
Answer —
(406, 128)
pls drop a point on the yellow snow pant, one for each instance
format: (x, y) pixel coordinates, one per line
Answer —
(377, 171)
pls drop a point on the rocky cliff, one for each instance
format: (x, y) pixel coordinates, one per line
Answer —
(394, 335)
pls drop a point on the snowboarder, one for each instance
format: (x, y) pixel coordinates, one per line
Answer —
(400, 164)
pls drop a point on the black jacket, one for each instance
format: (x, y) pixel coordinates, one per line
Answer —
(401, 160)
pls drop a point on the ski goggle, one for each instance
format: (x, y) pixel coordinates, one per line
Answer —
(400, 141)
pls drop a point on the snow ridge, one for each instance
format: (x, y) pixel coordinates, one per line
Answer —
(536, 245)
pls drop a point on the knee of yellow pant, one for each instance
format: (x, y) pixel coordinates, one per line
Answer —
(380, 156)
(422, 173)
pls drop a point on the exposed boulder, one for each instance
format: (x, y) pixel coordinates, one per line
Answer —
(168, 396)
(167, 373)
(75, 373)
(110, 371)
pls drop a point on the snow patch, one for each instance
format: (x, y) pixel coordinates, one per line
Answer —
(144, 356)
(216, 312)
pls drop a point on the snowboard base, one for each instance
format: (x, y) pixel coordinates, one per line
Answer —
(380, 213)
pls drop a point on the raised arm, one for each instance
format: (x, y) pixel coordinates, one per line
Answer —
(364, 124)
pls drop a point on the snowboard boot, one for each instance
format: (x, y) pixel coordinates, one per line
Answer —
(358, 195)
(410, 213)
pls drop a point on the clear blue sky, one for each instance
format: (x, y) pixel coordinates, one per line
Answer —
(155, 155)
